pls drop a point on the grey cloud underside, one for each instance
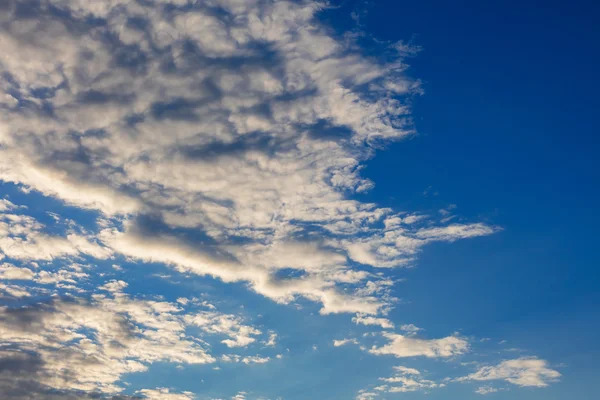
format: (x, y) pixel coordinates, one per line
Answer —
(79, 348)
(18, 381)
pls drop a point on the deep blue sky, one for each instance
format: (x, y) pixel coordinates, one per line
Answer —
(508, 131)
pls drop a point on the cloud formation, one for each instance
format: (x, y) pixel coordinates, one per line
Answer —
(405, 346)
(403, 380)
(224, 138)
(22, 237)
(406, 380)
(240, 335)
(521, 372)
(78, 346)
(485, 390)
(165, 394)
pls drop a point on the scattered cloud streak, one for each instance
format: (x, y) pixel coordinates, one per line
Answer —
(406, 346)
(521, 372)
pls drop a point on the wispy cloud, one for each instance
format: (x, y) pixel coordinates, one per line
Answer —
(403, 380)
(408, 346)
(521, 371)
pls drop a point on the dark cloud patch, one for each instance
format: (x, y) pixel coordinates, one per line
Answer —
(250, 142)
(96, 97)
(153, 226)
(29, 318)
(326, 130)
(131, 57)
(176, 109)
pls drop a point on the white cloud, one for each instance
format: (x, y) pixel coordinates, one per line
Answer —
(404, 380)
(15, 290)
(255, 360)
(366, 395)
(165, 394)
(22, 238)
(10, 272)
(521, 372)
(246, 360)
(114, 286)
(407, 371)
(398, 245)
(210, 261)
(183, 301)
(240, 335)
(343, 342)
(43, 277)
(89, 346)
(403, 384)
(272, 340)
(410, 329)
(404, 346)
(366, 320)
(6, 205)
(454, 232)
(483, 390)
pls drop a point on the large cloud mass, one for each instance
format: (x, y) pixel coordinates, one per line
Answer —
(220, 137)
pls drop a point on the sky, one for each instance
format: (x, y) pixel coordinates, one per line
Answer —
(279, 200)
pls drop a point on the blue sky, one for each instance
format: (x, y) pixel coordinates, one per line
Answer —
(285, 200)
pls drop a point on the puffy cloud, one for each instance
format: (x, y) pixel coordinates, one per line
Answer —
(407, 371)
(410, 329)
(81, 346)
(75, 346)
(6, 205)
(22, 237)
(404, 380)
(114, 286)
(10, 272)
(239, 396)
(60, 277)
(521, 371)
(211, 260)
(255, 360)
(405, 346)
(14, 291)
(165, 394)
(272, 340)
(246, 360)
(366, 395)
(366, 320)
(403, 384)
(240, 335)
(398, 245)
(483, 390)
(343, 342)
